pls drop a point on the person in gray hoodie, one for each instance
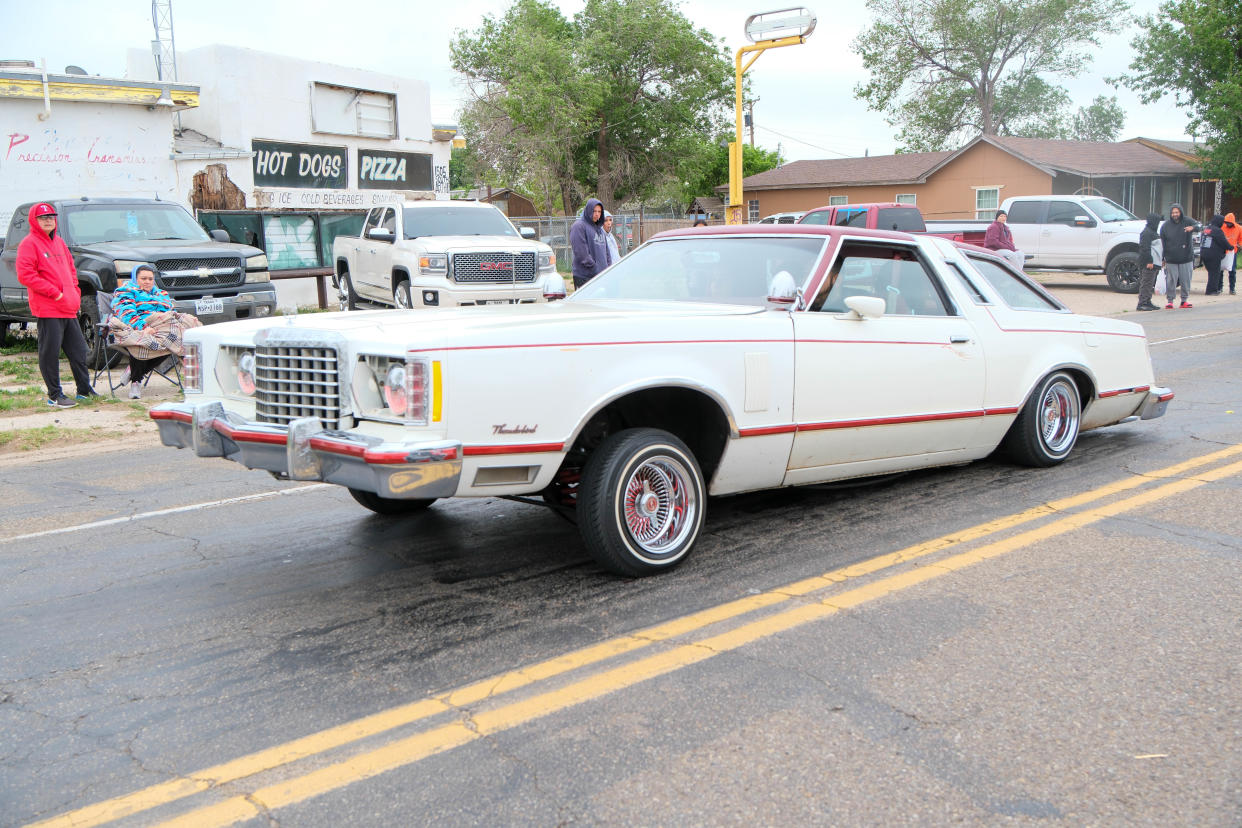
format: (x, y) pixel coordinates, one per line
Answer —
(1179, 255)
(588, 243)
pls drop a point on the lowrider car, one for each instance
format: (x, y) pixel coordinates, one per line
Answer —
(707, 362)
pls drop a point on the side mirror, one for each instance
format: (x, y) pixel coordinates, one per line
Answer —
(527, 232)
(1084, 221)
(865, 307)
(553, 287)
(220, 235)
(783, 291)
(380, 234)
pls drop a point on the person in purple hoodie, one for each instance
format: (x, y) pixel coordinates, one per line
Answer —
(589, 243)
(999, 240)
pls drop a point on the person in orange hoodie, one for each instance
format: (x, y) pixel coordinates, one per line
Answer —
(45, 266)
(1233, 232)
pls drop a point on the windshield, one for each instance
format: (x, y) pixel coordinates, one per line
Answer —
(91, 224)
(455, 221)
(1109, 210)
(730, 270)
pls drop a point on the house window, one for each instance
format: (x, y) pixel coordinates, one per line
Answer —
(752, 211)
(906, 198)
(987, 201)
(834, 201)
(347, 111)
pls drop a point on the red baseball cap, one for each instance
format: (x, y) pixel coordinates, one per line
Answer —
(42, 210)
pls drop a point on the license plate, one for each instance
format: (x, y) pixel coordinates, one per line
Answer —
(498, 301)
(208, 306)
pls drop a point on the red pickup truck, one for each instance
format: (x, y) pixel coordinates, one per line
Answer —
(891, 216)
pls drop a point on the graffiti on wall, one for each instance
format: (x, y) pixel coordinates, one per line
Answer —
(54, 148)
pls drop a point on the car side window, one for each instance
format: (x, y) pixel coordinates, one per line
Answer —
(17, 227)
(851, 218)
(1025, 212)
(1014, 289)
(372, 221)
(1064, 212)
(389, 221)
(893, 273)
(815, 217)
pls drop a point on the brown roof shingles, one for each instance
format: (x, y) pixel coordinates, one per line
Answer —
(1092, 158)
(906, 168)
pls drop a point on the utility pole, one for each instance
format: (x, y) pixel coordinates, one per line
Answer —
(750, 120)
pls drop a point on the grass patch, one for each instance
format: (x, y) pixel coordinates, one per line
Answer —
(19, 344)
(29, 439)
(21, 368)
(27, 399)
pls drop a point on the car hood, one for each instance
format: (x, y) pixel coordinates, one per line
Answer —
(451, 244)
(151, 249)
(432, 328)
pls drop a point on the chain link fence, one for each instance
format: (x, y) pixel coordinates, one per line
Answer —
(629, 229)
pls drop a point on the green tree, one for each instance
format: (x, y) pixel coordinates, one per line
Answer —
(1101, 121)
(596, 103)
(704, 166)
(461, 171)
(946, 70)
(1190, 50)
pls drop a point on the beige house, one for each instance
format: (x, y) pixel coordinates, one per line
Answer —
(972, 182)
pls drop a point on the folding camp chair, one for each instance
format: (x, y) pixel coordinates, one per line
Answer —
(106, 352)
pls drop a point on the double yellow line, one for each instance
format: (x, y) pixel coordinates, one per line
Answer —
(467, 726)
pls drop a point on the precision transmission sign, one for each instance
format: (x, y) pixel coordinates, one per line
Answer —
(277, 164)
(380, 170)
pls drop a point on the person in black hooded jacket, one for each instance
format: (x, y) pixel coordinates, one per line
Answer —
(1212, 250)
(1148, 267)
(1179, 255)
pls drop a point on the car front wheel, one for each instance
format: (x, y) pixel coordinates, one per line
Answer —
(1124, 273)
(401, 295)
(641, 502)
(345, 293)
(389, 505)
(1047, 428)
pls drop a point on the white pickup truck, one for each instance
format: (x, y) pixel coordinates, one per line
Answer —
(423, 254)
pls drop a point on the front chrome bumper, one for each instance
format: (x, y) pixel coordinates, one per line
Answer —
(304, 450)
(1155, 404)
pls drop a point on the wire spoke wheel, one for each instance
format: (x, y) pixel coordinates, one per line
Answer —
(658, 504)
(1059, 417)
(1046, 430)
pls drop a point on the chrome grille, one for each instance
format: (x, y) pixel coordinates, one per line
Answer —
(493, 268)
(202, 272)
(296, 382)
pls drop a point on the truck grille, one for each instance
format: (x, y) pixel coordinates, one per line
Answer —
(296, 382)
(202, 273)
(493, 268)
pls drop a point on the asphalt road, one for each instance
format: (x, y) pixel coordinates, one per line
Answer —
(183, 640)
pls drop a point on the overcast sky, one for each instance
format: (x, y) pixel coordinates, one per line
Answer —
(806, 102)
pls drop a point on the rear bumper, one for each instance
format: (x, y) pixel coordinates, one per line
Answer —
(1155, 404)
(304, 450)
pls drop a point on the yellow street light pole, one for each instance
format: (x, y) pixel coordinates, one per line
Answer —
(802, 22)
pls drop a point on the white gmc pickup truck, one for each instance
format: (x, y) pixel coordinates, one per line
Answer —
(424, 254)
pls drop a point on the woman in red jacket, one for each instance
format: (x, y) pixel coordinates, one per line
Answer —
(45, 267)
(999, 240)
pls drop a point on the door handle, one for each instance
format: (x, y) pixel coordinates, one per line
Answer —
(959, 339)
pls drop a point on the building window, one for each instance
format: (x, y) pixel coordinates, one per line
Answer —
(752, 211)
(907, 198)
(346, 111)
(834, 201)
(987, 201)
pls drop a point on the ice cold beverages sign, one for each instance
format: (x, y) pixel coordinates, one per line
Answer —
(278, 164)
(379, 170)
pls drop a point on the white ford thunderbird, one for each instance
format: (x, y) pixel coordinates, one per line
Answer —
(707, 362)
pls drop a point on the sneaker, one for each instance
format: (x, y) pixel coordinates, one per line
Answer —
(1232, 292)
(1147, 306)
(1169, 306)
(135, 390)
(61, 402)
(90, 396)
(1186, 305)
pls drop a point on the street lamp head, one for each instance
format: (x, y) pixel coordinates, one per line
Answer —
(773, 25)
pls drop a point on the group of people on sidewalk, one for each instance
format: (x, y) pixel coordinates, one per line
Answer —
(146, 322)
(1166, 248)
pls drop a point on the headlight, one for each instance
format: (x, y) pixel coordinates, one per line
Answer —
(235, 370)
(433, 263)
(391, 388)
(257, 268)
(124, 267)
(547, 261)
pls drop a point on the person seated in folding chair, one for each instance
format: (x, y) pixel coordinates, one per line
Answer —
(143, 320)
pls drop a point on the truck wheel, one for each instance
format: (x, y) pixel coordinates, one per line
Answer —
(1047, 427)
(1124, 272)
(641, 502)
(401, 295)
(345, 293)
(88, 321)
(389, 505)
(4, 333)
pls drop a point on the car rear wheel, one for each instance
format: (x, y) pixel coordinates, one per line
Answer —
(1047, 428)
(345, 293)
(401, 295)
(1123, 273)
(389, 505)
(641, 502)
